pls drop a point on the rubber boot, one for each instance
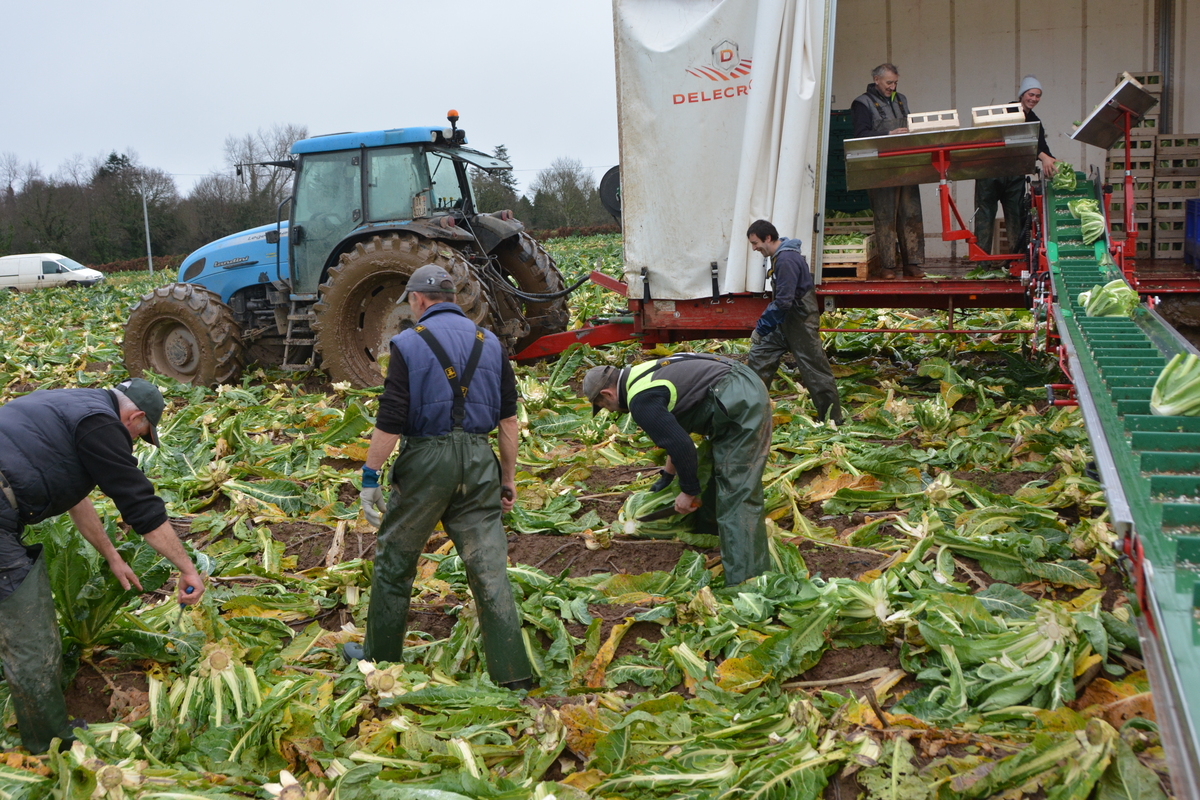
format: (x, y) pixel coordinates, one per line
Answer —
(31, 651)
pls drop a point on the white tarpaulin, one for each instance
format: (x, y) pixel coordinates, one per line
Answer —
(722, 106)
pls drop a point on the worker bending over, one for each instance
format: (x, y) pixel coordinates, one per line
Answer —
(449, 385)
(723, 401)
(55, 447)
(882, 111)
(792, 322)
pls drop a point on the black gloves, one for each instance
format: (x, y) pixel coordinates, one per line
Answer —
(664, 480)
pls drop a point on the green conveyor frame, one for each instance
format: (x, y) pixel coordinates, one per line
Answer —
(1150, 468)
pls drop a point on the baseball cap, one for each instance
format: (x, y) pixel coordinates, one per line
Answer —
(597, 378)
(429, 278)
(146, 396)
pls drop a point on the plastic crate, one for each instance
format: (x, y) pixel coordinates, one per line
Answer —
(1003, 114)
(1192, 231)
(933, 120)
(1152, 82)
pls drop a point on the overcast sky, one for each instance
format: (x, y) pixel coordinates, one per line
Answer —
(172, 80)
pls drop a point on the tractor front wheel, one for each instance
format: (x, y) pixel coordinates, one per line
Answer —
(185, 332)
(358, 315)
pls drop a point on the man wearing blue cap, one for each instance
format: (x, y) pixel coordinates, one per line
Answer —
(1010, 191)
(55, 447)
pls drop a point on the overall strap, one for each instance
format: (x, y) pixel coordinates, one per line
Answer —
(458, 389)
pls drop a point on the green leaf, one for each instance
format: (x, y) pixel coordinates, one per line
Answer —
(1000, 598)
(1128, 779)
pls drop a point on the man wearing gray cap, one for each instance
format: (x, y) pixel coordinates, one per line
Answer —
(449, 385)
(726, 402)
(55, 447)
(1010, 191)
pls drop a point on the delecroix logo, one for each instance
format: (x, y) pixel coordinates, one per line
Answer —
(726, 64)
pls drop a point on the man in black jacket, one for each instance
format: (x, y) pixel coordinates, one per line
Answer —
(1010, 192)
(792, 322)
(55, 447)
(723, 401)
(882, 111)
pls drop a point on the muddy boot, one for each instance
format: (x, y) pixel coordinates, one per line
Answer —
(31, 651)
(887, 274)
(914, 271)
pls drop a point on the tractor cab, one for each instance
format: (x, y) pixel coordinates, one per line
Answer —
(349, 183)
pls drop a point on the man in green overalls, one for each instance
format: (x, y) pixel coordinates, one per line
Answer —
(723, 401)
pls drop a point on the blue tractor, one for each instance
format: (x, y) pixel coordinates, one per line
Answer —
(321, 288)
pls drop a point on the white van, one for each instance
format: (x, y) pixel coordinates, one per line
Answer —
(38, 270)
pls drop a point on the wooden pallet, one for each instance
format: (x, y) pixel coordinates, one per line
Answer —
(847, 272)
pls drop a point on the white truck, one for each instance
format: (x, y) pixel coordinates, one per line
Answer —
(21, 273)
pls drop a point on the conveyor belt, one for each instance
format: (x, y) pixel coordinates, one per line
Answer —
(1150, 468)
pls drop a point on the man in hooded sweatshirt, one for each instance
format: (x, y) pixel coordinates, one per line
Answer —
(791, 323)
(1010, 191)
(882, 111)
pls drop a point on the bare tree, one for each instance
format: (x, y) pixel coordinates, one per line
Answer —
(564, 195)
(265, 185)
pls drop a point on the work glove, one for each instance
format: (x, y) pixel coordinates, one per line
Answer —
(664, 480)
(371, 497)
(755, 337)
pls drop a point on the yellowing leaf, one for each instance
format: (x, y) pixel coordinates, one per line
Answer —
(741, 674)
(593, 677)
(825, 487)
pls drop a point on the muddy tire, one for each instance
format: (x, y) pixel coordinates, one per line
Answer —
(357, 314)
(534, 271)
(184, 332)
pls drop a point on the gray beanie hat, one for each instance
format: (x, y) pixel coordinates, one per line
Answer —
(1027, 83)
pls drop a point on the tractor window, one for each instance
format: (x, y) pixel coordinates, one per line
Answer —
(394, 176)
(328, 206)
(447, 191)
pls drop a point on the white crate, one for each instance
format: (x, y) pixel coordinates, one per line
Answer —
(1152, 82)
(933, 120)
(1003, 114)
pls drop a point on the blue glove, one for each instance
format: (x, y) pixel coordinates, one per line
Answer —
(664, 480)
(370, 478)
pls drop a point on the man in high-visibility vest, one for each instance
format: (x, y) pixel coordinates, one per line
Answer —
(725, 402)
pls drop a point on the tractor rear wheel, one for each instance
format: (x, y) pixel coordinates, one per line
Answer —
(534, 270)
(185, 332)
(357, 314)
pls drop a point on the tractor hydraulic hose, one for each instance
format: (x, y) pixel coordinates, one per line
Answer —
(537, 297)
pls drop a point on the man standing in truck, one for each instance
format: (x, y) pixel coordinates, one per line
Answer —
(792, 322)
(882, 111)
(722, 400)
(1010, 192)
(449, 385)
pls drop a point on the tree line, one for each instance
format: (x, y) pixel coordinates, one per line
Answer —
(92, 211)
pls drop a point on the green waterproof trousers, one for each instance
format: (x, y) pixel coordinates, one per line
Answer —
(31, 652)
(735, 416)
(800, 335)
(1007, 192)
(454, 479)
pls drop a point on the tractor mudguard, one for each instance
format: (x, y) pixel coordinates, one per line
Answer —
(491, 230)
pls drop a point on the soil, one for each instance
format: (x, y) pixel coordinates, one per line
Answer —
(1005, 483)
(844, 662)
(553, 554)
(831, 561)
(90, 697)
